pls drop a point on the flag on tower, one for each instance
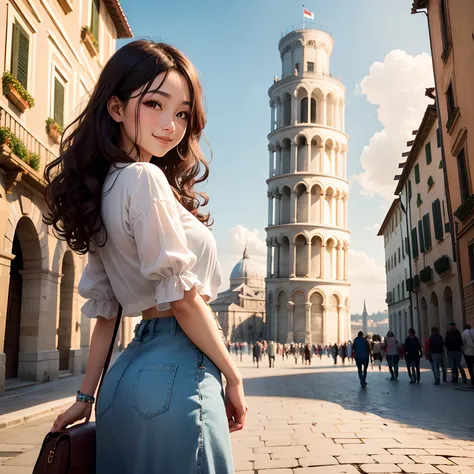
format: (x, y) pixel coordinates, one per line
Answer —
(308, 14)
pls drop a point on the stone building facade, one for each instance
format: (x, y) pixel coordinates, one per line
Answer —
(307, 286)
(240, 310)
(450, 30)
(422, 187)
(55, 52)
(401, 310)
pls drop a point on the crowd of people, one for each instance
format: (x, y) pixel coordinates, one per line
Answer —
(442, 353)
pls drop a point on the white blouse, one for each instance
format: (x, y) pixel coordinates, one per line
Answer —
(155, 248)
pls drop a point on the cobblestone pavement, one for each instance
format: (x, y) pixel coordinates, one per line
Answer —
(317, 419)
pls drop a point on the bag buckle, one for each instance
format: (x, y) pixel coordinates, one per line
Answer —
(51, 457)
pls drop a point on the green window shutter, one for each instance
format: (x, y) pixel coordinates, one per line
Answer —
(58, 102)
(419, 201)
(430, 182)
(437, 219)
(428, 153)
(438, 137)
(414, 242)
(440, 166)
(427, 231)
(95, 19)
(20, 54)
(409, 190)
(421, 237)
(417, 173)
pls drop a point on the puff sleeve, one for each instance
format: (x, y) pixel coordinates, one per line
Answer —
(159, 236)
(95, 286)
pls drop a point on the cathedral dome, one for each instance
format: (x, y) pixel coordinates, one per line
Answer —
(246, 269)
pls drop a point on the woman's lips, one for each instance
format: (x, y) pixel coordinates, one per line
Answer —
(165, 141)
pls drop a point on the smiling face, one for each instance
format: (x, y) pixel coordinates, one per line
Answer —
(163, 114)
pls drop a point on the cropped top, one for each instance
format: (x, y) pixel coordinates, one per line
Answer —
(155, 248)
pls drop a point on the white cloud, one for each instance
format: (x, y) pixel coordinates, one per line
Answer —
(373, 227)
(367, 282)
(239, 238)
(397, 87)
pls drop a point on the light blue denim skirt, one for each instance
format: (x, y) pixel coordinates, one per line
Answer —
(161, 408)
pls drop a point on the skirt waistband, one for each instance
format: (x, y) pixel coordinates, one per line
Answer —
(157, 327)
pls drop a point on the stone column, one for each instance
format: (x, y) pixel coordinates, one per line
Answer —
(343, 118)
(325, 122)
(278, 209)
(322, 200)
(291, 307)
(269, 260)
(293, 206)
(308, 205)
(321, 157)
(272, 116)
(339, 260)
(346, 266)
(293, 157)
(308, 259)
(270, 207)
(276, 266)
(278, 161)
(337, 200)
(308, 157)
(291, 260)
(271, 167)
(322, 258)
(342, 325)
(5, 263)
(294, 109)
(307, 338)
(38, 358)
(325, 324)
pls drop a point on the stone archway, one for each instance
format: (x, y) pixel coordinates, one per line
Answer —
(434, 311)
(424, 326)
(23, 305)
(317, 323)
(299, 317)
(66, 307)
(282, 311)
(448, 310)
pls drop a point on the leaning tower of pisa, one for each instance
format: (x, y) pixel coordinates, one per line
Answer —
(307, 285)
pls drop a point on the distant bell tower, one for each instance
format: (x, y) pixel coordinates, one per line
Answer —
(307, 283)
(365, 320)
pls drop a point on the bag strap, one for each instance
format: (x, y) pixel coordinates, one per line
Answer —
(111, 348)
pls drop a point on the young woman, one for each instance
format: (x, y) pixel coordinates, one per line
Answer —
(122, 191)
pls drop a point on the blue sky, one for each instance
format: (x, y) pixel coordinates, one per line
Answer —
(234, 45)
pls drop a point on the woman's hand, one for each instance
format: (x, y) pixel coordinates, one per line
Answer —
(75, 412)
(235, 406)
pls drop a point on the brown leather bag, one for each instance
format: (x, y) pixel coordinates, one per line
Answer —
(72, 450)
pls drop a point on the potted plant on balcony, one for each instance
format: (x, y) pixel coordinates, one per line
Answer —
(89, 40)
(16, 93)
(442, 265)
(426, 274)
(54, 130)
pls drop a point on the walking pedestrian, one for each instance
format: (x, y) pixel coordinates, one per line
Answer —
(468, 347)
(453, 342)
(335, 350)
(122, 191)
(361, 349)
(257, 353)
(377, 351)
(413, 353)
(307, 355)
(271, 353)
(391, 348)
(436, 350)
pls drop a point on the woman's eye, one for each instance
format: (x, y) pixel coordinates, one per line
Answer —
(183, 115)
(153, 104)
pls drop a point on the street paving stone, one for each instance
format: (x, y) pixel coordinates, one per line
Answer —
(317, 419)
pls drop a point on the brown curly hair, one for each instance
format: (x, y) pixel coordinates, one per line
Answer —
(92, 143)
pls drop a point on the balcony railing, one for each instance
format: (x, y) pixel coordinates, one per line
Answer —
(32, 144)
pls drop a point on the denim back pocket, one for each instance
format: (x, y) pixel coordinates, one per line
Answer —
(152, 389)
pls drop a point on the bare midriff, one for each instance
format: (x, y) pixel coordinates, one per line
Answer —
(152, 312)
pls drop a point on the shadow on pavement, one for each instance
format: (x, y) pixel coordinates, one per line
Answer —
(439, 408)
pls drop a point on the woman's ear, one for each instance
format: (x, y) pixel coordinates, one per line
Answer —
(115, 108)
